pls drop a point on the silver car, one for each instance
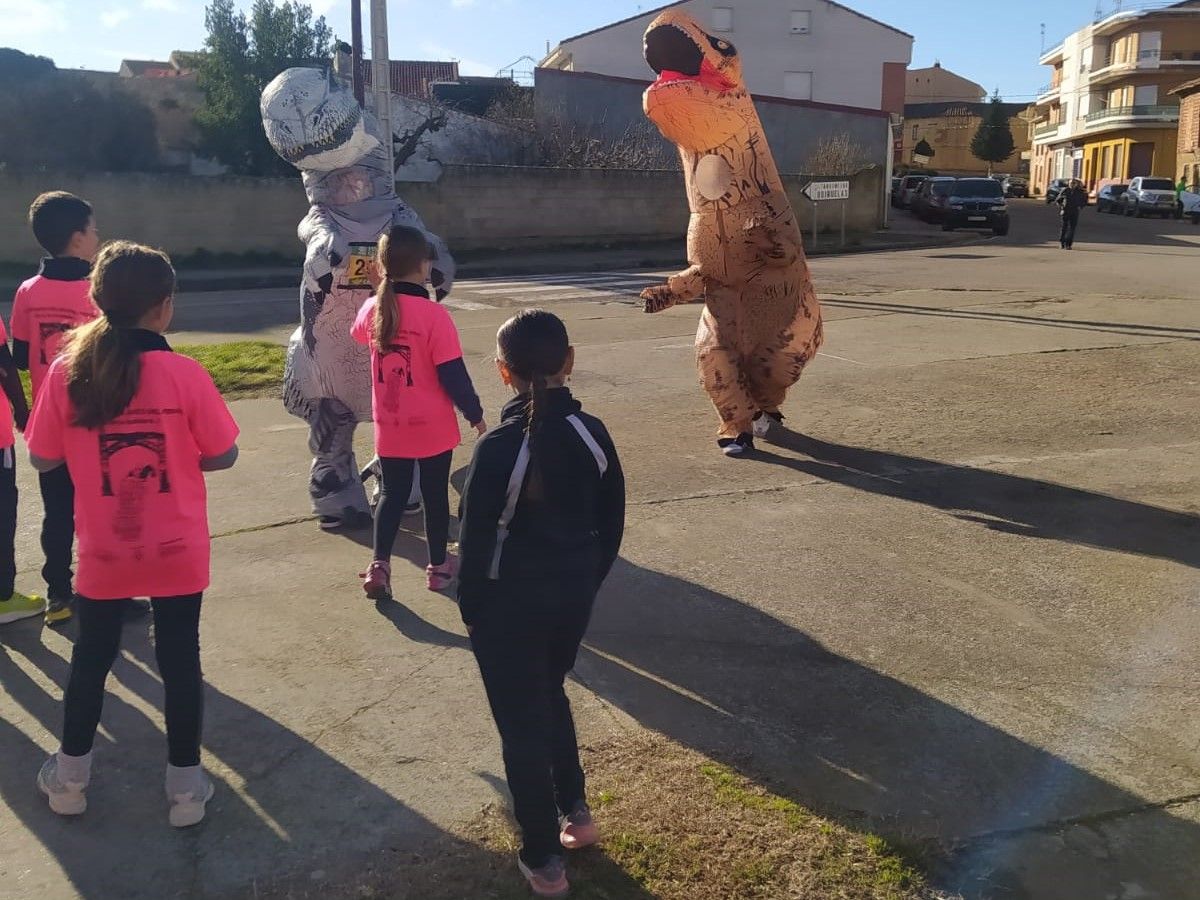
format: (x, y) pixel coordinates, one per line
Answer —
(1148, 197)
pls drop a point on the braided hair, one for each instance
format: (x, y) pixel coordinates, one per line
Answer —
(534, 346)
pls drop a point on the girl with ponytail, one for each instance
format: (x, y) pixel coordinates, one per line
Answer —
(417, 378)
(542, 519)
(136, 427)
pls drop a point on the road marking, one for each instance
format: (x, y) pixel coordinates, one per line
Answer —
(843, 359)
(469, 305)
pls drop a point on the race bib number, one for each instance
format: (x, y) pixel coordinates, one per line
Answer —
(358, 267)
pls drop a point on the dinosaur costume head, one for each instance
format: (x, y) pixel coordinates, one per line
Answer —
(699, 100)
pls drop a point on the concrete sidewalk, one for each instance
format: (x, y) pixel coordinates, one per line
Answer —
(959, 611)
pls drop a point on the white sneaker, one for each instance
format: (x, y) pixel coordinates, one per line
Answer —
(188, 809)
(66, 798)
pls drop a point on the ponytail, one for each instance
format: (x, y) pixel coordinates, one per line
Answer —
(401, 252)
(387, 315)
(538, 405)
(104, 363)
(103, 372)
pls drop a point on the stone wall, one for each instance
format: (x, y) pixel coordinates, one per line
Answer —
(473, 207)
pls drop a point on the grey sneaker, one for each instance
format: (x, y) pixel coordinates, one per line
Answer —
(578, 830)
(187, 807)
(67, 798)
(548, 880)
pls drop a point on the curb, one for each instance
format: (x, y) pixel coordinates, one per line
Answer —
(198, 281)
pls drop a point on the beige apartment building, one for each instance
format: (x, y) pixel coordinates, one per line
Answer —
(1109, 112)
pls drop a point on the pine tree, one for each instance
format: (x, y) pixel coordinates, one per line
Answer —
(242, 54)
(993, 142)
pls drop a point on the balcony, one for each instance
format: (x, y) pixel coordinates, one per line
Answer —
(1046, 130)
(1049, 92)
(1134, 115)
(1146, 60)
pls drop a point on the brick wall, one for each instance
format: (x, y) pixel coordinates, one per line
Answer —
(473, 207)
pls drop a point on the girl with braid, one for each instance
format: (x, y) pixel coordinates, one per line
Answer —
(417, 378)
(543, 514)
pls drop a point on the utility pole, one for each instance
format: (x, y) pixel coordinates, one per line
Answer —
(356, 52)
(381, 78)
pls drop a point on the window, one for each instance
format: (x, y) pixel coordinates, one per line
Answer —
(916, 132)
(1145, 95)
(722, 18)
(801, 21)
(797, 85)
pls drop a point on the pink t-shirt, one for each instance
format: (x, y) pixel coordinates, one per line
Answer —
(414, 416)
(7, 434)
(44, 312)
(141, 507)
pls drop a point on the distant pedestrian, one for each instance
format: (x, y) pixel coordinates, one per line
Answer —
(543, 515)
(137, 427)
(1180, 190)
(417, 377)
(1072, 201)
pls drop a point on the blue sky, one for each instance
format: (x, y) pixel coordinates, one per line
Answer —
(995, 44)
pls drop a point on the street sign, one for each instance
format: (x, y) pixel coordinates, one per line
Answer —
(827, 190)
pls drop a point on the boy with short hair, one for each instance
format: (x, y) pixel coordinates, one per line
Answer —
(46, 309)
(13, 606)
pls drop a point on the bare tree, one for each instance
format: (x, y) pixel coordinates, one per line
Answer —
(431, 119)
(569, 145)
(838, 154)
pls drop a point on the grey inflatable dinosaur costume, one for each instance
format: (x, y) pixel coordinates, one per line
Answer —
(315, 124)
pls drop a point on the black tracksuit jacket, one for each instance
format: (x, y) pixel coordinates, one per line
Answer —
(569, 518)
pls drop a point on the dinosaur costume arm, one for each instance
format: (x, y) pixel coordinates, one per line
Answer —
(686, 287)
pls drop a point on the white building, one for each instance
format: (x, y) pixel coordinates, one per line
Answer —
(814, 50)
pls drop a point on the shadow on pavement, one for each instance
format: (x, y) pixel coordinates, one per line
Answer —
(284, 809)
(1010, 503)
(735, 683)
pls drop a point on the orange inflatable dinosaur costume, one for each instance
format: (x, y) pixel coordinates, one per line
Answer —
(762, 323)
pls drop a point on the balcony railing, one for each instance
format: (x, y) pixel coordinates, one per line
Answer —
(1048, 128)
(1158, 113)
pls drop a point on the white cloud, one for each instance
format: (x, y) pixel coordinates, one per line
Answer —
(111, 18)
(162, 5)
(27, 18)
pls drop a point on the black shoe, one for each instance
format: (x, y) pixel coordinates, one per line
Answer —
(133, 610)
(737, 446)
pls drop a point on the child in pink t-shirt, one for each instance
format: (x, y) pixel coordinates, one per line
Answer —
(136, 426)
(45, 310)
(418, 376)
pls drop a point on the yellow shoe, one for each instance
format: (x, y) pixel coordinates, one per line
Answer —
(58, 610)
(19, 606)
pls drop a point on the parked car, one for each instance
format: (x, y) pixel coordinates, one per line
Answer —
(908, 189)
(976, 203)
(1014, 186)
(933, 198)
(1057, 186)
(1149, 196)
(1191, 206)
(1108, 199)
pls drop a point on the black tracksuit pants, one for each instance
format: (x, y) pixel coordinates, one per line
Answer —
(58, 530)
(177, 651)
(8, 521)
(526, 639)
(1070, 221)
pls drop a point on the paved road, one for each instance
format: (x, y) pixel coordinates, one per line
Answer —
(958, 604)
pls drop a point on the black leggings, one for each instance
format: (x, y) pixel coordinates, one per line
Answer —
(397, 479)
(177, 649)
(526, 639)
(1070, 221)
(58, 530)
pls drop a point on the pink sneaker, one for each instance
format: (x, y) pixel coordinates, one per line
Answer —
(579, 829)
(377, 581)
(438, 578)
(549, 880)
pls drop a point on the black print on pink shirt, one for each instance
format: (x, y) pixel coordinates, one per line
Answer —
(394, 372)
(52, 335)
(132, 465)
